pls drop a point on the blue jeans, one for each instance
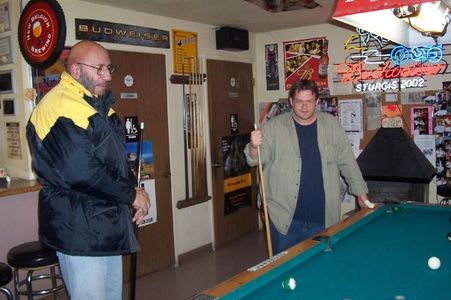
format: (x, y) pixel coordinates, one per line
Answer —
(92, 277)
(297, 232)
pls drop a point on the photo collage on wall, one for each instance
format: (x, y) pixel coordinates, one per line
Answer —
(441, 102)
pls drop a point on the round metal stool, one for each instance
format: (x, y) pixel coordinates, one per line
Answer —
(6, 275)
(444, 190)
(34, 257)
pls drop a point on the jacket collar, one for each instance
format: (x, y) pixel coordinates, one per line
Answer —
(101, 104)
(73, 84)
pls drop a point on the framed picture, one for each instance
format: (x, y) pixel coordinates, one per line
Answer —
(5, 20)
(6, 82)
(6, 54)
(8, 107)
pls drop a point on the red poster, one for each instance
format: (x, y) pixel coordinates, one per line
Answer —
(347, 7)
(306, 59)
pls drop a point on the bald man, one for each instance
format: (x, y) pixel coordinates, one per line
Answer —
(77, 145)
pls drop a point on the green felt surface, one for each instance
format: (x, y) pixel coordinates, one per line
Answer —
(380, 257)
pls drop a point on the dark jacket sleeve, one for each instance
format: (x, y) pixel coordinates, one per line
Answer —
(68, 158)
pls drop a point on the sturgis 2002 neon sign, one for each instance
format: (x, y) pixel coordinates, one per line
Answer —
(377, 66)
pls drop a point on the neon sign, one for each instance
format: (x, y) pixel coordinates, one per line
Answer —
(376, 63)
(373, 57)
(365, 39)
(356, 72)
(428, 53)
(390, 85)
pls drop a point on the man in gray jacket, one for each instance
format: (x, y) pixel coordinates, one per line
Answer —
(303, 154)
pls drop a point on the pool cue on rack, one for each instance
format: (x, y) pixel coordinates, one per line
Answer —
(185, 133)
(134, 256)
(265, 209)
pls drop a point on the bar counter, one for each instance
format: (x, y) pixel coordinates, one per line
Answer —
(19, 186)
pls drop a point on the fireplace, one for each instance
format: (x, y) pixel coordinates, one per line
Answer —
(392, 191)
(394, 168)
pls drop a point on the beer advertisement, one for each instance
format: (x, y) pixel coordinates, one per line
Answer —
(306, 59)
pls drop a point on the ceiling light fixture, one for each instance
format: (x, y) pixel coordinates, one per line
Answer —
(400, 21)
(430, 19)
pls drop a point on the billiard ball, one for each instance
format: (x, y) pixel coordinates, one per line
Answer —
(434, 263)
(396, 208)
(289, 284)
(449, 236)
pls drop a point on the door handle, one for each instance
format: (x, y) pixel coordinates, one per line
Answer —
(167, 174)
(216, 165)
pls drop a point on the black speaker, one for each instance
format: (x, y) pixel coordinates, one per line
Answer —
(233, 39)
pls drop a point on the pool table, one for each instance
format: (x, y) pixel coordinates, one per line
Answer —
(376, 254)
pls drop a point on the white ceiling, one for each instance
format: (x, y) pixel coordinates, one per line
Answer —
(235, 13)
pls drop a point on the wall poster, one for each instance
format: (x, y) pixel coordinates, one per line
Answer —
(151, 217)
(13, 146)
(237, 174)
(147, 165)
(350, 115)
(184, 52)
(302, 61)
(272, 67)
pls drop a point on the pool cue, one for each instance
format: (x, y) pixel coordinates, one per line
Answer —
(194, 158)
(191, 127)
(202, 135)
(265, 210)
(185, 133)
(134, 256)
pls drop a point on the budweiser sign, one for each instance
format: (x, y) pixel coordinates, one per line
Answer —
(356, 72)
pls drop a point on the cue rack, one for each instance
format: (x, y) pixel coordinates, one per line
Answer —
(194, 137)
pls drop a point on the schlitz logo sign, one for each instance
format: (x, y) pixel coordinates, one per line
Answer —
(94, 30)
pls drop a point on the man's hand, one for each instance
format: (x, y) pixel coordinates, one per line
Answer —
(141, 205)
(256, 138)
(255, 142)
(364, 202)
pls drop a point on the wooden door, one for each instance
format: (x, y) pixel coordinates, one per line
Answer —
(231, 114)
(142, 78)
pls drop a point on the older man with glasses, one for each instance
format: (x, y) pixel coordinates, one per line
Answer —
(77, 145)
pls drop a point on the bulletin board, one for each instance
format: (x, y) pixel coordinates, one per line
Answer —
(405, 112)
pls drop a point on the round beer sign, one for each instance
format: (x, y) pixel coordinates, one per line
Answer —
(42, 32)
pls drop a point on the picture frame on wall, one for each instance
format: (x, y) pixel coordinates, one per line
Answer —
(9, 107)
(5, 19)
(6, 82)
(6, 53)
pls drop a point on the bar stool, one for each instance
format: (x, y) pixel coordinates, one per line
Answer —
(31, 257)
(5, 277)
(444, 190)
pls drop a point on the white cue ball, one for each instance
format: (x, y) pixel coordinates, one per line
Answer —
(434, 263)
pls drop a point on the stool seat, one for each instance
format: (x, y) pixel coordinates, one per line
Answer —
(34, 257)
(31, 255)
(444, 190)
(6, 274)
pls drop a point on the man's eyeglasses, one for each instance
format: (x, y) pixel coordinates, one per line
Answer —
(101, 68)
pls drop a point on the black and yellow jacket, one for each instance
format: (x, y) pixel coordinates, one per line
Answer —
(77, 145)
